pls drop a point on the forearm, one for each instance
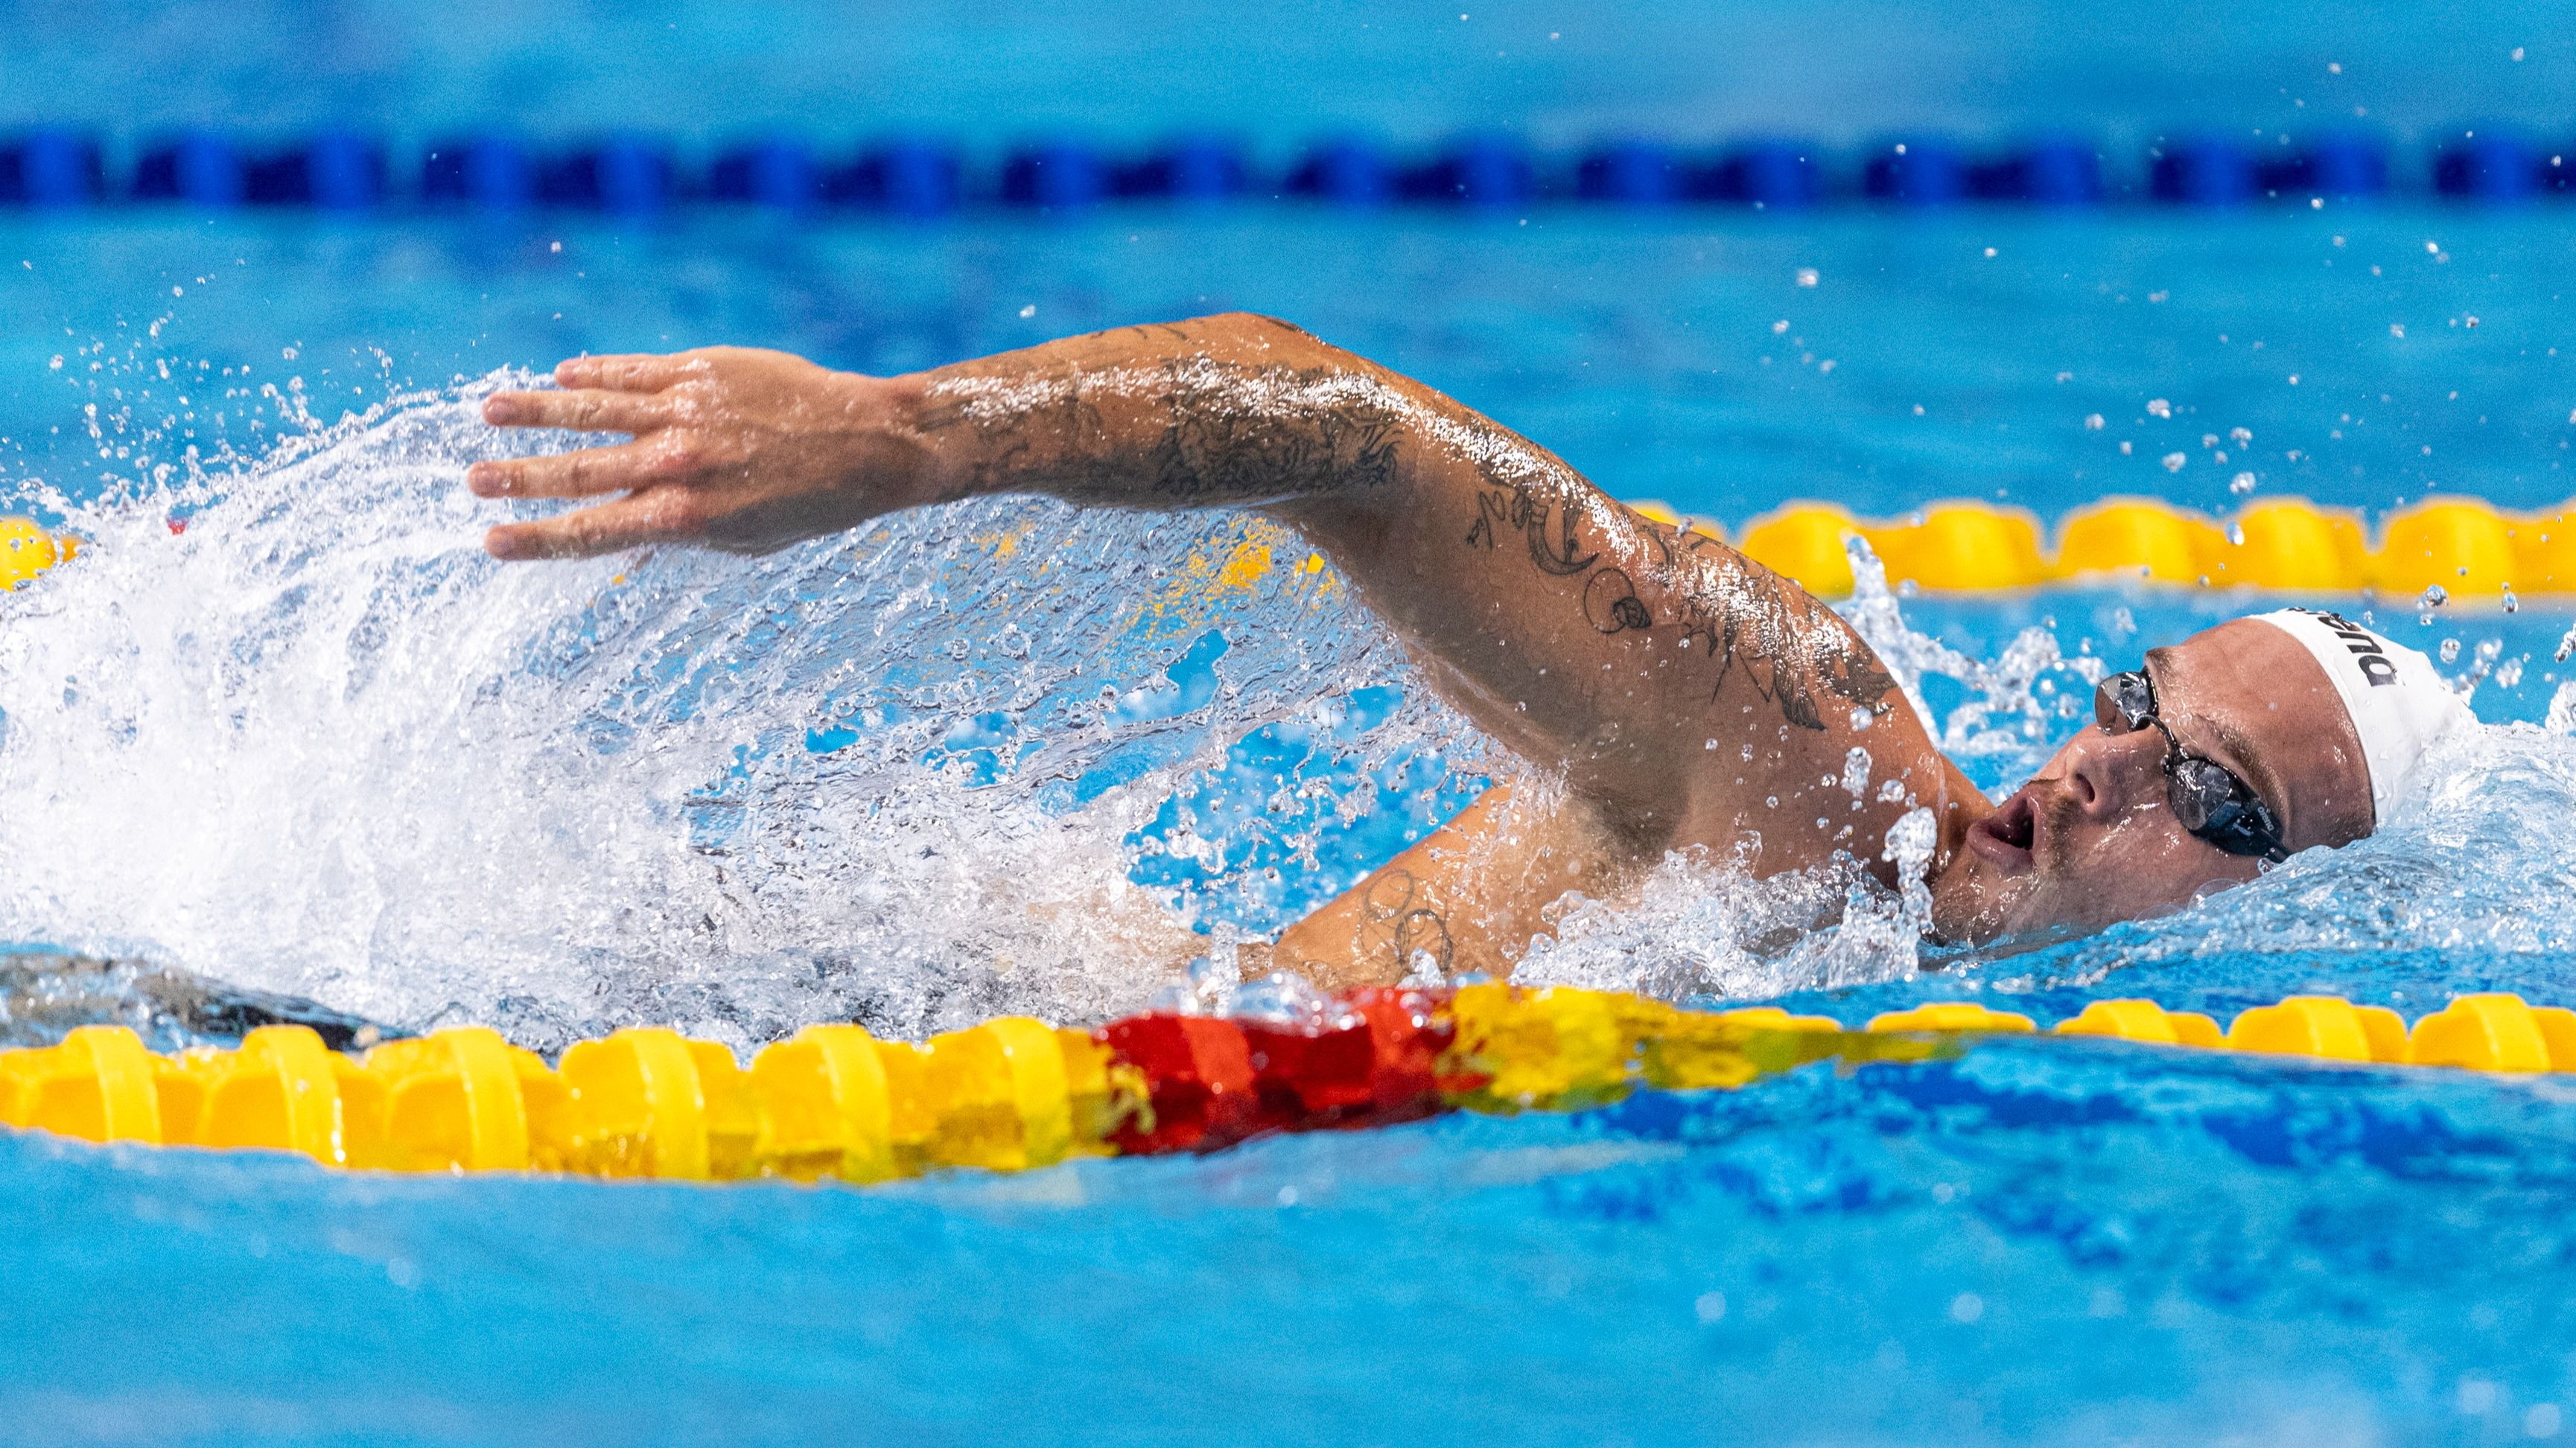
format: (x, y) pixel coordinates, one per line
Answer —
(1468, 898)
(1237, 411)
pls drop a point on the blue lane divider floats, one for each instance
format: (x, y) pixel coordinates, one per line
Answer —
(2492, 167)
(637, 174)
(1490, 171)
(1917, 171)
(337, 171)
(51, 168)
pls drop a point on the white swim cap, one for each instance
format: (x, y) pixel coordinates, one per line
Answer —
(2398, 703)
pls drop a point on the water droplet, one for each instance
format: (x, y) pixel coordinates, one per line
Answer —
(2241, 484)
(1855, 771)
(1862, 718)
(2434, 597)
(2236, 534)
(2450, 651)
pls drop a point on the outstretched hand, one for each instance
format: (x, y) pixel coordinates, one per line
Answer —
(733, 448)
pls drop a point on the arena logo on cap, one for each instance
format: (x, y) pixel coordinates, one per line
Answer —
(2367, 654)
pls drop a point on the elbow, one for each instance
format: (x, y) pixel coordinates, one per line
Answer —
(1253, 324)
(1252, 332)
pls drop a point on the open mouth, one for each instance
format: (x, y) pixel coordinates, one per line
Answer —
(2007, 836)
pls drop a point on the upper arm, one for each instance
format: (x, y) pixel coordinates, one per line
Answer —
(1692, 695)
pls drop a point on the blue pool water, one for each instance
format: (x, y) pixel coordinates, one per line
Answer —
(316, 745)
(1647, 350)
(1277, 73)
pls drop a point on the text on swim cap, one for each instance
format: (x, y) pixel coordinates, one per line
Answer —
(2368, 656)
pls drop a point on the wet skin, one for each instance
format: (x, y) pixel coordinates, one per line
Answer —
(1672, 693)
(2092, 839)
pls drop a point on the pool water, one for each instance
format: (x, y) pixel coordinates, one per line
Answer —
(1647, 349)
(1006, 757)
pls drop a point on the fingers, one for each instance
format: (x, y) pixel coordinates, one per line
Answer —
(630, 372)
(626, 523)
(583, 474)
(582, 410)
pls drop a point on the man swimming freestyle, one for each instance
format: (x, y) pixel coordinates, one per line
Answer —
(1682, 694)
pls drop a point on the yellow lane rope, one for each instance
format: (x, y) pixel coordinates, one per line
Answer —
(1015, 1093)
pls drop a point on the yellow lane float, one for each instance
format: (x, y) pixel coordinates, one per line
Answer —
(2137, 1020)
(27, 549)
(2461, 545)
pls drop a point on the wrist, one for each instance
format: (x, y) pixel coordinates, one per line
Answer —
(903, 463)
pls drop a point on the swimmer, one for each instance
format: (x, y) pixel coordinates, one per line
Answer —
(1672, 692)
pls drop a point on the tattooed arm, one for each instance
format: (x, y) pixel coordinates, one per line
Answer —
(1467, 898)
(1681, 693)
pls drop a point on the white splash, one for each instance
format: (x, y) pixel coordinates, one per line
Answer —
(319, 743)
(2017, 708)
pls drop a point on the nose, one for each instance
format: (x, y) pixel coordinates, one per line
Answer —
(2109, 774)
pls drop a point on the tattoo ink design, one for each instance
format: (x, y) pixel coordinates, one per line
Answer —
(1744, 619)
(1229, 433)
(1227, 452)
(1610, 603)
(1423, 932)
(1785, 641)
(1548, 525)
(1406, 928)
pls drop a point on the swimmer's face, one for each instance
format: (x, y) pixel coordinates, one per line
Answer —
(2092, 840)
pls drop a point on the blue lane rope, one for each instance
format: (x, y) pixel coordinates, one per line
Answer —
(637, 174)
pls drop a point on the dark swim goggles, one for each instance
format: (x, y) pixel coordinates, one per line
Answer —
(2208, 799)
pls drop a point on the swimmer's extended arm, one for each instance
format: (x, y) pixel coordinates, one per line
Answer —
(1685, 694)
